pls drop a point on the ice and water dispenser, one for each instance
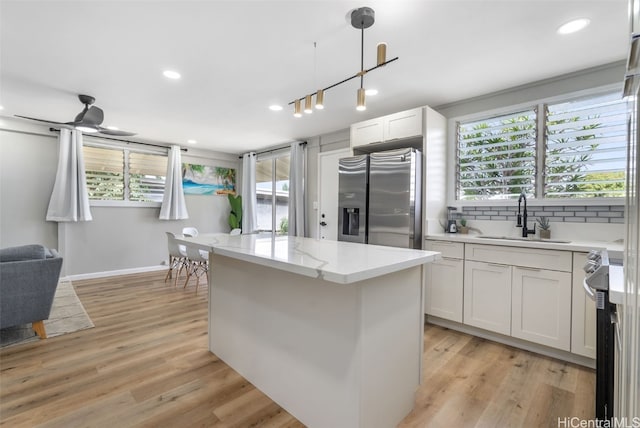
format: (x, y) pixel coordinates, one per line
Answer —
(352, 199)
(351, 221)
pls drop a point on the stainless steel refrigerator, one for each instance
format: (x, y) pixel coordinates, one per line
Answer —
(379, 199)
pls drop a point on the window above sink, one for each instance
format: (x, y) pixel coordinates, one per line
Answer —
(561, 151)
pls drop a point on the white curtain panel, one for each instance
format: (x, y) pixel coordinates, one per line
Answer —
(69, 199)
(249, 201)
(297, 166)
(173, 204)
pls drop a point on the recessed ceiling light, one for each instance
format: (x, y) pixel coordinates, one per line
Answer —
(275, 107)
(573, 26)
(371, 92)
(113, 128)
(1, 108)
(191, 141)
(170, 74)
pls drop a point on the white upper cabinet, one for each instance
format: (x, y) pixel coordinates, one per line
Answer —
(404, 124)
(367, 132)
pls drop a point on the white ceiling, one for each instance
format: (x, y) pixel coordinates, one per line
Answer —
(238, 57)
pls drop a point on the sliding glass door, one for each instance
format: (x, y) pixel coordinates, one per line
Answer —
(272, 192)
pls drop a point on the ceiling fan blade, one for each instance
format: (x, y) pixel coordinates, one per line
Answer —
(89, 116)
(93, 116)
(41, 120)
(115, 132)
(80, 116)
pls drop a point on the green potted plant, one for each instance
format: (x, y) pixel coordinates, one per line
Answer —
(235, 217)
(544, 228)
(463, 226)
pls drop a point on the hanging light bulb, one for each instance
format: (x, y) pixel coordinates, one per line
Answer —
(308, 108)
(320, 99)
(297, 110)
(361, 104)
(382, 53)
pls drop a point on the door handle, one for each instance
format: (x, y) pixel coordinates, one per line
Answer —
(323, 223)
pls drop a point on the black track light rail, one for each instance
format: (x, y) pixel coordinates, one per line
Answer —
(358, 74)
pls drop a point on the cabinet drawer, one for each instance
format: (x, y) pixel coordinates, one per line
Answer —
(454, 250)
(518, 256)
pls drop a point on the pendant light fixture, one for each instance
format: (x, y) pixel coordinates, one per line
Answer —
(308, 106)
(361, 18)
(297, 110)
(320, 99)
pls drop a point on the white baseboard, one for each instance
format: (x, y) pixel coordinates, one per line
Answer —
(94, 275)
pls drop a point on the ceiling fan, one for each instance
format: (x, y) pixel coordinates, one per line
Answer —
(88, 120)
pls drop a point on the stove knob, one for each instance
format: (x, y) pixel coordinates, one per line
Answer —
(590, 266)
(594, 255)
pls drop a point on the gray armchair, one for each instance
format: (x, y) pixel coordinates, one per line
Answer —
(28, 280)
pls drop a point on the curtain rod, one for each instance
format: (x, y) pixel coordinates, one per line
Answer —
(124, 141)
(303, 143)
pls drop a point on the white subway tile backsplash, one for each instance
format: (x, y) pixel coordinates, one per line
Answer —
(555, 213)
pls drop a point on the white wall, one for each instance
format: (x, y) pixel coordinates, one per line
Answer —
(28, 166)
(591, 78)
(118, 238)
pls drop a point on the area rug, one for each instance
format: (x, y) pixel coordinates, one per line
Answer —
(67, 316)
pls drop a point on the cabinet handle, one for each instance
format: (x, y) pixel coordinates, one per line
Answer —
(453, 259)
(497, 265)
(528, 268)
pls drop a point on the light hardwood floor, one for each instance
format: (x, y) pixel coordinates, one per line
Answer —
(146, 363)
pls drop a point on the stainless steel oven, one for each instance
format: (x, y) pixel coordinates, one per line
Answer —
(598, 269)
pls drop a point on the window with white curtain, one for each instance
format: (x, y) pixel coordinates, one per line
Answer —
(577, 149)
(272, 192)
(125, 175)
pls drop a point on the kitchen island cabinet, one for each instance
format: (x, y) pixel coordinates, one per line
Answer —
(331, 331)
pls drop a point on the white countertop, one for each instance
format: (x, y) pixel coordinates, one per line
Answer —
(334, 261)
(581, 245)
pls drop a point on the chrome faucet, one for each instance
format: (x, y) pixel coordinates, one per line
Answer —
(521, 219)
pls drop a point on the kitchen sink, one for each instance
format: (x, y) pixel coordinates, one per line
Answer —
(512, 238)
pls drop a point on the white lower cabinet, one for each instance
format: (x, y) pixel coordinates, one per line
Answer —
(531, 294)
(583, 315)
(541, 307)
(444, 280)
(487, 296)
(443, 291)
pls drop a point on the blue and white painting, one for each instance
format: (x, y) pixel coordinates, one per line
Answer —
(208, 180)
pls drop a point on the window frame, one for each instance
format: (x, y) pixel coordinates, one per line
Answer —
(452, 150)
(126, 149)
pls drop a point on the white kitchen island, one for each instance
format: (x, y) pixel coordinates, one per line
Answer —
(331, 331)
